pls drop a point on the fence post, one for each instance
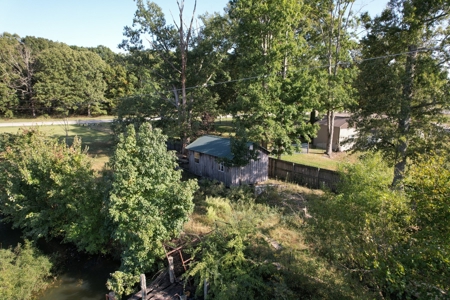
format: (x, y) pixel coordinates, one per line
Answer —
(205, 289)
(143, 287)
(171, 271)
(318, 178)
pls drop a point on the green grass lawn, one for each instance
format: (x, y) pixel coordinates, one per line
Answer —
(49, 119)
(98, 139)
(223, 127)
(317, 158)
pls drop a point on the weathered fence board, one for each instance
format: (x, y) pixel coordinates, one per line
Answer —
(174, 145)
(311, 177)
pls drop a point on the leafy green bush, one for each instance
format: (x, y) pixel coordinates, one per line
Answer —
(23, 272)
(226, 260)
(395, 242)
(49, 190)
(428, 254)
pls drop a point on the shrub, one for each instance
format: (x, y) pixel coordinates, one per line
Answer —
(23, 272)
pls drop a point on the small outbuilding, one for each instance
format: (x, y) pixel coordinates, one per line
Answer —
(342, 132)
(205, 156)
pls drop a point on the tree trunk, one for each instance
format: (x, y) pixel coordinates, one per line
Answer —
(313, 117)
(330, 132)
(184, 47)
(404, 119)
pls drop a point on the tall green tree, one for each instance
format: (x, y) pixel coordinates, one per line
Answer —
(16, 75)
(183, 62)
(71, 81)
(119, 78)
(331, 43)
(268, 47)
(403, 84)
(148, 202)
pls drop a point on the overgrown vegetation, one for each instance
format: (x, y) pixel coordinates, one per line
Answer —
(257, 248)
(384, 234)
(23, 272)
(49, 190)
(393, 241)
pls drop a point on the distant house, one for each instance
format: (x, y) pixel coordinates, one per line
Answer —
(204, 155)
(342, 132)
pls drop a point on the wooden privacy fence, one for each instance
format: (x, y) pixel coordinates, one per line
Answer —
(311, 177)
(174, 145)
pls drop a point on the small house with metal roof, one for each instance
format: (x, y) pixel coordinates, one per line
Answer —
(205, 159)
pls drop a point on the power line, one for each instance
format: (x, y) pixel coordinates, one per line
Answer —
(298, 70)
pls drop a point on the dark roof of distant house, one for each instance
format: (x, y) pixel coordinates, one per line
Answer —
(214, 146)
(339, 121)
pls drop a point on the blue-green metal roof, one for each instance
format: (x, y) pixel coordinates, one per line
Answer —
(212, 145)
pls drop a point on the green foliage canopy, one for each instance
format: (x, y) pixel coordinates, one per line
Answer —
(267, 50)
(71, 80)
(393, 241)
(403, 83)
(148, 202)
(49, 190)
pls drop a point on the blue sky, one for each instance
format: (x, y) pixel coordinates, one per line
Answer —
(90, 23)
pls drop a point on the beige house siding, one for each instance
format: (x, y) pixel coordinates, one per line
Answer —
(341, 133)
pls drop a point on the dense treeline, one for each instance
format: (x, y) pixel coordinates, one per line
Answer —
(42, 77)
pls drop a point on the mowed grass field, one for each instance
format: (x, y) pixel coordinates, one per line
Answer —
(47, 119)
(98, 139)
(317, 158)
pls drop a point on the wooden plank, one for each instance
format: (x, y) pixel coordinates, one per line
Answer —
(171, 269)
(143, 287)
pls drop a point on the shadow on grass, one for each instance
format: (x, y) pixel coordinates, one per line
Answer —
(98, 139)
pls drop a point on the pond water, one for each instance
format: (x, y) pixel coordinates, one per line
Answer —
(82, 280)
(81, 277)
